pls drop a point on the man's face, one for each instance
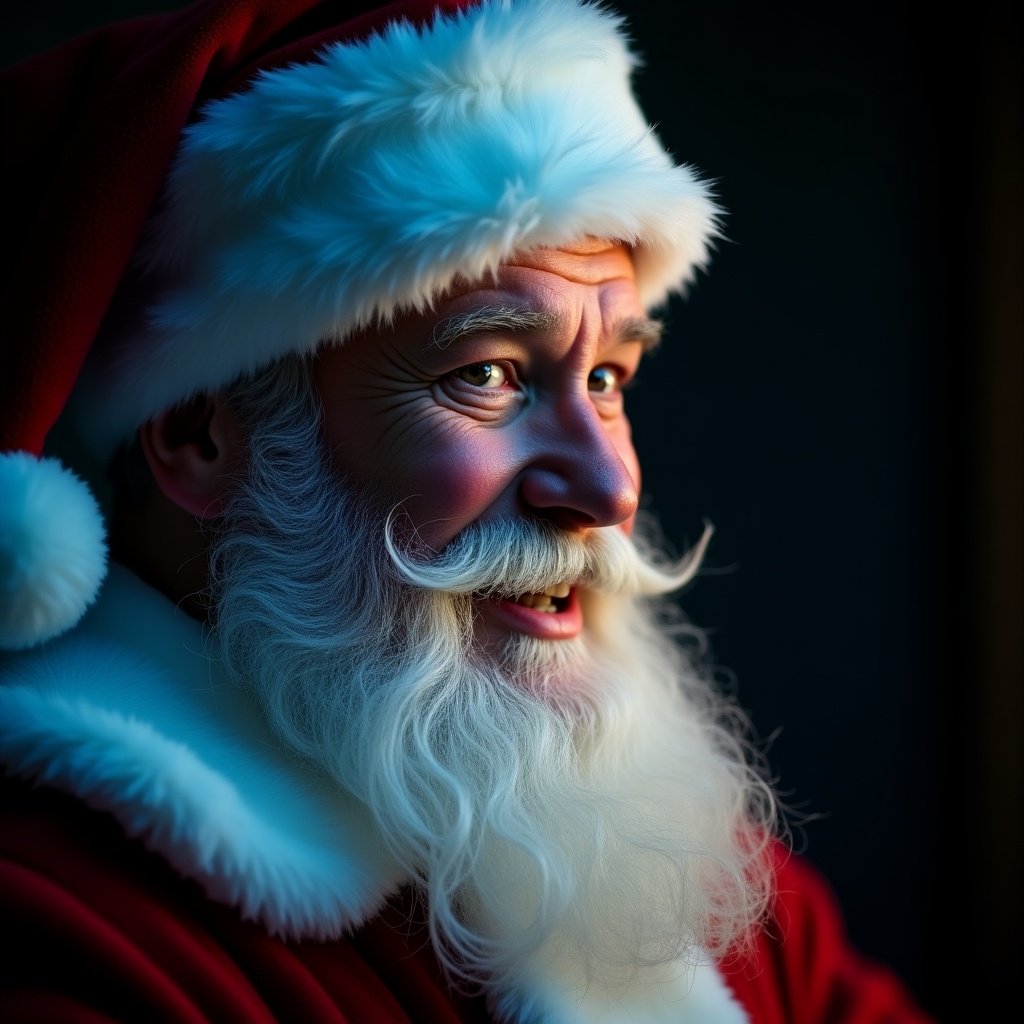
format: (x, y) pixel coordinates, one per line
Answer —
(504, 401)
(569, 798)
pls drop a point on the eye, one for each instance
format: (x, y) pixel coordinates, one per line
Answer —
(605, 380)
(483, 375)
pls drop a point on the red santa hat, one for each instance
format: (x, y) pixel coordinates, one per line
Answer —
(205, 191)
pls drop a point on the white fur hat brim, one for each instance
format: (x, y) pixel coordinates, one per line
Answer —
(335, 193)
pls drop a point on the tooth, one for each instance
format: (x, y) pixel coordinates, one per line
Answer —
(543, 602)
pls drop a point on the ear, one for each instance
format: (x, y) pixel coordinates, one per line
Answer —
(193, 451)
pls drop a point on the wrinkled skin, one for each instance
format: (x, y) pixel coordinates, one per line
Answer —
(499, 422)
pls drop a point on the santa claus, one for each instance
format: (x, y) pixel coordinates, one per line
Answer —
(378, 711)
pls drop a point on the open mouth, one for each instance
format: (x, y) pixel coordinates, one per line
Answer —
(554, 613)
(552, 600)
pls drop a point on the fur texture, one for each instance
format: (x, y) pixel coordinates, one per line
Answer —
(53, 552)
(571, 810)
(127, 714)
(337, 192)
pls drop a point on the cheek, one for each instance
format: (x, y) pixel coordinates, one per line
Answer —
(450, 487)
(443, 477)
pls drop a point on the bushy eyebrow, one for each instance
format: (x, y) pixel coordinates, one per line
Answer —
(517, 320)
(489, 320)
(643, 329)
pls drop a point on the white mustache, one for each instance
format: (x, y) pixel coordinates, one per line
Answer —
(507, 558)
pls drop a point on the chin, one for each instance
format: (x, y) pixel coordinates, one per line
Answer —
(556, 672)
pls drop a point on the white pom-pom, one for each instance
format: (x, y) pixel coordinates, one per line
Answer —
(53, 553)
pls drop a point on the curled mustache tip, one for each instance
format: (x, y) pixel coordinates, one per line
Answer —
(508, 558)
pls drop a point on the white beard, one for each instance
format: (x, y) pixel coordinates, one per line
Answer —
(585, 805)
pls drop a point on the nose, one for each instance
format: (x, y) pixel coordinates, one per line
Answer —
(578, 478)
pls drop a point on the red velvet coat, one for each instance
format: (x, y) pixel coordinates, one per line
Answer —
(106, 931)
(154, 841)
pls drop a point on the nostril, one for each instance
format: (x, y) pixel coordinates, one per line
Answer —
(577, 494)
(566, 518)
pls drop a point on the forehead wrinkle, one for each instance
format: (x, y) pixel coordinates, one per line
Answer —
(491, 320)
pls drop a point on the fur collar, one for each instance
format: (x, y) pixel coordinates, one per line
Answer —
(128, 714)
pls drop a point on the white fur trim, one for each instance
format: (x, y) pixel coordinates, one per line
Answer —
(53, 554)
(129, 715)
(671, 994)
(336, 192)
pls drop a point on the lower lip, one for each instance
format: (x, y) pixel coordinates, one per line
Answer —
(518, 618)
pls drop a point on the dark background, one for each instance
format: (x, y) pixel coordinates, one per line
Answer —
(841, 396)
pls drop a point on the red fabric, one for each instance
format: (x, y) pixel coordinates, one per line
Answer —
(803, 970)
(91, 128)
(106, 931)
